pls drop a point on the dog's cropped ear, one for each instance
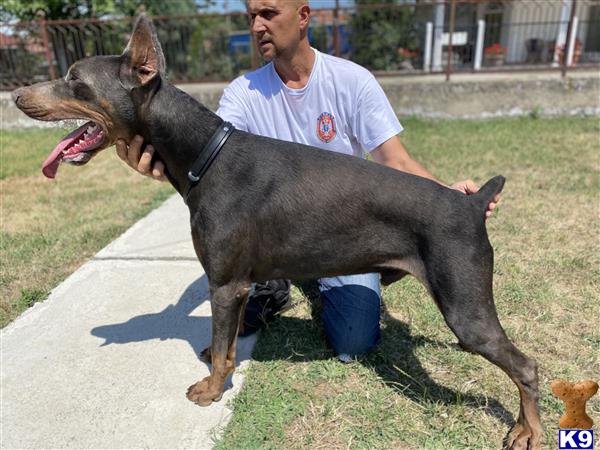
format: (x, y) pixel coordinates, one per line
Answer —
(143, 59)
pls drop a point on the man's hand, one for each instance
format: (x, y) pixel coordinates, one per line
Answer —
(468, 187)
(140, 161)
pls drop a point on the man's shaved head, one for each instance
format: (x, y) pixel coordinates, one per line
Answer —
(279, 26)
(294, 3)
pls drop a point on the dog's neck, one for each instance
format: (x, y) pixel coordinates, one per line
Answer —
(178, 127)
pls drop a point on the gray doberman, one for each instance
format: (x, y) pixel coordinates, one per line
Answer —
(269, 209)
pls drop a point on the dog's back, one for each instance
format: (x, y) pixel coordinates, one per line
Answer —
(297, 206)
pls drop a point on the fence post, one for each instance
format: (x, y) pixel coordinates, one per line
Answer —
(42, 23)
(336, 29)
(562, 33)
(451, 32)
(427, 52)
(438, 33)
(570, 38)
(479, 44)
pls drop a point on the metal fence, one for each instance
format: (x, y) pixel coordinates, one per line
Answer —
(413, 37)
(200, 47)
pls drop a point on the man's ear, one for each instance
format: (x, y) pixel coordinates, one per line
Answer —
(304, 15)
(143, 59)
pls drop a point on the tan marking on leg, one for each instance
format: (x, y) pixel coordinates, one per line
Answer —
(211, 388)
(527, 432)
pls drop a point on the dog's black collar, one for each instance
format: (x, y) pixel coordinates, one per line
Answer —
(207, 155)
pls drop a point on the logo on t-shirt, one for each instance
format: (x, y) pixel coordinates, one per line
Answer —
(326, 127)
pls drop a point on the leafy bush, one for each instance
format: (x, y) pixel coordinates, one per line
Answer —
(381, 36)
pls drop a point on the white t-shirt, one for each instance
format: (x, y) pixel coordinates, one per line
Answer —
(342, 107)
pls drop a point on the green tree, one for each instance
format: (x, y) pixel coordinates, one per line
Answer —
(319, 37)
(82, 9)
(210, 56)
(54, 9)
(379, 33)
(158, 7)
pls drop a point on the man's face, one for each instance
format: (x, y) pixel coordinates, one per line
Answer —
(276, 24)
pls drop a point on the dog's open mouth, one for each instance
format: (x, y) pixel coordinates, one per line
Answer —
(75, 148)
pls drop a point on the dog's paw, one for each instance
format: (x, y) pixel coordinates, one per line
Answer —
(201, 393)
(521, 438)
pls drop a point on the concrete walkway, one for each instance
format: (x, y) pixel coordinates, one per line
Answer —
(106, 360)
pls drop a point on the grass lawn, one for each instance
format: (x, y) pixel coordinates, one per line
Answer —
(49, 228)
(418, 390)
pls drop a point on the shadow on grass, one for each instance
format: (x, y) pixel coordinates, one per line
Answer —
(394, 360)
(301, 340)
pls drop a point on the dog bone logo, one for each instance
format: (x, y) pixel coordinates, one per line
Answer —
(575, 396)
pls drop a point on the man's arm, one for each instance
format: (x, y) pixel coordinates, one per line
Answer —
(393, 154)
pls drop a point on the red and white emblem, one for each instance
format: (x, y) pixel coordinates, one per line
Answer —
(326, 127)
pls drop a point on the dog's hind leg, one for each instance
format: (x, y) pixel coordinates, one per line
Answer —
(461, 284)
(227, 304)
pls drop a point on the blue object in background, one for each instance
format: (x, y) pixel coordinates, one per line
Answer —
(239, 41)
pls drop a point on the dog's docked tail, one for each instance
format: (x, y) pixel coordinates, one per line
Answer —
(488, 191)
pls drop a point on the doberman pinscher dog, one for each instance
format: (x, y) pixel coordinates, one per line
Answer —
(267, 209)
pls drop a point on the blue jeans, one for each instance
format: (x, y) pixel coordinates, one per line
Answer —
(351, 312)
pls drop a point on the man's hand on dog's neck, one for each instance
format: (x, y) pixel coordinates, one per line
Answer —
(141, 161)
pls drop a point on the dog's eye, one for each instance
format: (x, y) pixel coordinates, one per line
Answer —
(82, 91)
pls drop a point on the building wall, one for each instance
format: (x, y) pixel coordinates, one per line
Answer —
(465, 97)
(538, 20)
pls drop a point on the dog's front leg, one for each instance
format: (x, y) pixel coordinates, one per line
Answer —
(227, 303)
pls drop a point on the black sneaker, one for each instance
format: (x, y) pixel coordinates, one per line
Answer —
(267, 302)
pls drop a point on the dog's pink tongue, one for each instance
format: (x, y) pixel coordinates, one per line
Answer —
(50, 166)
